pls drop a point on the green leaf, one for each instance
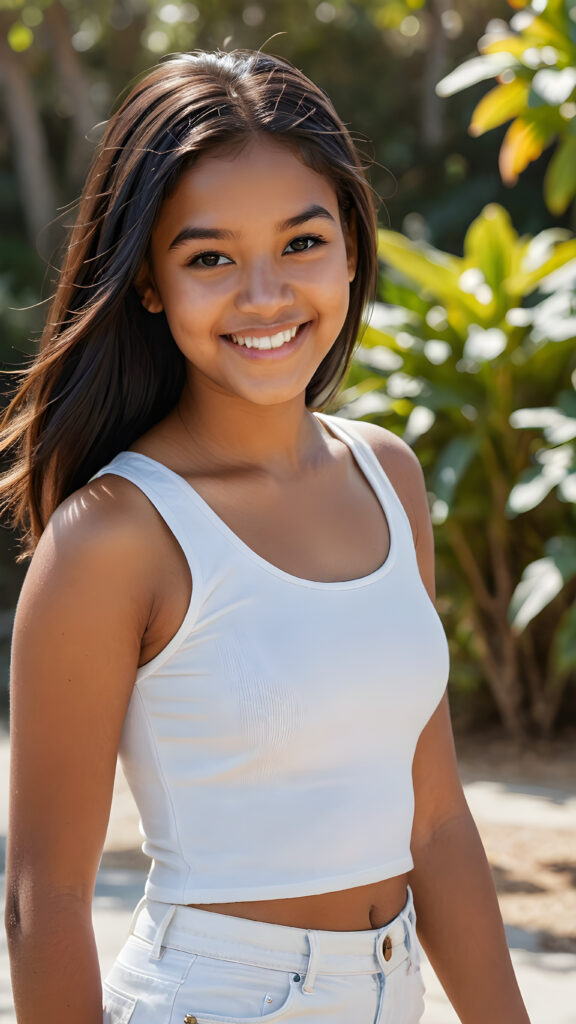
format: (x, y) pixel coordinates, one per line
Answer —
(564, 643)
(379, 357)
(543, 33)
(451, 467)
(563, 551)
(567, 402)
(499, 105)
(490, 243)
(419, 422)
(478, 69)
(553, 86)
(560, 177)
(435, 271)
(526, 280)
(542, 581)
(373, 337)
(535, 484)
(555, 425)
(373, 403)
(512, 45)
(484, 345)
(567, 488)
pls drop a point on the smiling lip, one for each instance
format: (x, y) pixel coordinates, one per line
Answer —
(265, 340)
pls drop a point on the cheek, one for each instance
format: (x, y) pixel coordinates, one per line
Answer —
(336, 290)
(189, 307)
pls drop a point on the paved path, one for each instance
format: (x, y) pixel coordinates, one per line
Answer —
(547, 980)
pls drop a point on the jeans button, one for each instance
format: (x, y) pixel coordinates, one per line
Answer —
(387, 947)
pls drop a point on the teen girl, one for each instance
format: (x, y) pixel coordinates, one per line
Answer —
(235, 589)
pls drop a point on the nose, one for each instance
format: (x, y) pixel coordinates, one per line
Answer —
(264, 289)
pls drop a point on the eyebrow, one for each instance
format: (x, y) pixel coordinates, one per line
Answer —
(191, 233)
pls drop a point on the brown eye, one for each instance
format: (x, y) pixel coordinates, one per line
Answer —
(301, 244)
(209, 259)
(304, 242)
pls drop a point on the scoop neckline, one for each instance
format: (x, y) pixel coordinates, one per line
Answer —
(374, 482)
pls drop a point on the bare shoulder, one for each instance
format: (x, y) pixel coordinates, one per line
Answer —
(401, 466)
(107, 517)
(98, 546)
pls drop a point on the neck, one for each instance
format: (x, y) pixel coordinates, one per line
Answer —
(226, 430)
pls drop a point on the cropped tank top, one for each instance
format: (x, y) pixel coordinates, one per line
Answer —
(269, 746)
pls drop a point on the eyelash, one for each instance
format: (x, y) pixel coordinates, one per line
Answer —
(197, 260)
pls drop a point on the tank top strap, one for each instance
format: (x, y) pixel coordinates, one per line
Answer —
(372, 469)
(170, 495)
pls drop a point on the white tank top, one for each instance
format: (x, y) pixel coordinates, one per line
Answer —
(269, 746)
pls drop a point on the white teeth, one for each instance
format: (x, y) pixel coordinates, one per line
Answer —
(270, 341)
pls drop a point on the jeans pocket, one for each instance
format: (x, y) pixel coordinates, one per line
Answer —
(141, 995)
(118, 1006)
(227, 992)
(415, 990)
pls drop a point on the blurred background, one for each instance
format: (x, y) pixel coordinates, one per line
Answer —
(466, 112)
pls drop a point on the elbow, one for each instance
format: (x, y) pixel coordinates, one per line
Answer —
(32, 909)
(443, 830)
(12, 914)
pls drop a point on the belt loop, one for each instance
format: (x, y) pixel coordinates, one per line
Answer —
(410, 926)
(135, 913)
(156, 951)
(310, 978)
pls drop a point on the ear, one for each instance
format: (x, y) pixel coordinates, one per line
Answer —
(146, 289)
(351, 240)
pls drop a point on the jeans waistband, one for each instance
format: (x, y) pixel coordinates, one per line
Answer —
(281, 947)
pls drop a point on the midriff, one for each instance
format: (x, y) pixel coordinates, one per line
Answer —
(358, 909)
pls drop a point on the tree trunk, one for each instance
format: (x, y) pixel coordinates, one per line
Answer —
(435, 65)
(497, 643)
(37, 191)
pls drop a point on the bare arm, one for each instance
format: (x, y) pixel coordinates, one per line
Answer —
(81, 616)
(459, 921)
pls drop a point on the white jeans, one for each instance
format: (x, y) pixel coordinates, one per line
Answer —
(186, 966)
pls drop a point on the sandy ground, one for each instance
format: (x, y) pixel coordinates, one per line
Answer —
(533, 857)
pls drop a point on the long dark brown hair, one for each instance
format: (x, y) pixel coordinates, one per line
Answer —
(107, 370)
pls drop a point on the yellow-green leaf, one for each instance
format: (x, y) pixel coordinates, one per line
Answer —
(371, 337)
(435, 271)
(524, 142)
(490, 243)
(513, 45)
(560, 177)
(499, 105)
(526, 281)
(542, 32)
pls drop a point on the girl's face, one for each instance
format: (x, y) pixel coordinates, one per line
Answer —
(252, 267)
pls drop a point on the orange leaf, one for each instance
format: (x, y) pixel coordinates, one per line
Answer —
(523, 143)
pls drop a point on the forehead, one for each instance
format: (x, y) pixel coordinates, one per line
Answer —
(263, 182)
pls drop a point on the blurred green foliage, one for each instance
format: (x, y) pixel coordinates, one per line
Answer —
(534, 62)
(472, 359)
